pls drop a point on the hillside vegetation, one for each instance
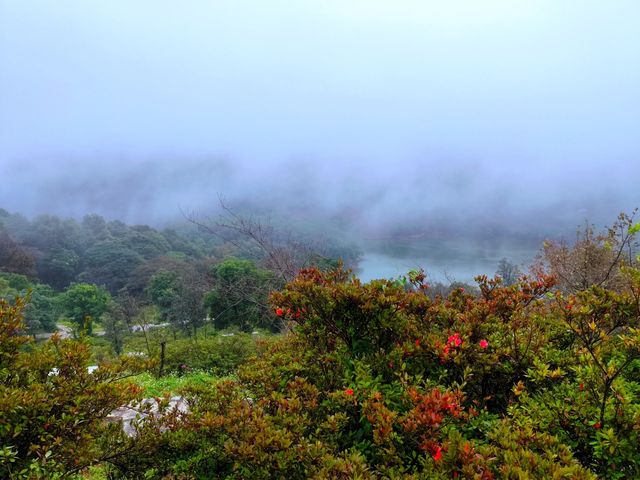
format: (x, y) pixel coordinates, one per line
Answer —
(534, 377)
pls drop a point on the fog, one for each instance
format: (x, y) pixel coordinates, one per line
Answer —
(473, 122)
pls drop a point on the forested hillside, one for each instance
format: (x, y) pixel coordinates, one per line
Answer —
(183, 271)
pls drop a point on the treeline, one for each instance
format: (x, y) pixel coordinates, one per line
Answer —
(95, 269)
(59, 251)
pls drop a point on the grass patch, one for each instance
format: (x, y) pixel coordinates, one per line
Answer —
(95, 472)
(173, 384)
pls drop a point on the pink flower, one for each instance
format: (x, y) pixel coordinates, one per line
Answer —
(348, 391)
(454, 340)
(483, 343)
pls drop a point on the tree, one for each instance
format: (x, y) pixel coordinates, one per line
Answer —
(110, 263)
(140, 278)
(41, 311)
(84, 303)
(115, 325)
(58, 268)
(146, 242)
(48, 232)
(179, 298)
(163, 290)
(13, 257)
(240, 295)
(95, 226)
(187, 310)
(595, 258)
(509, 272)
(59, 244)
(280, 251)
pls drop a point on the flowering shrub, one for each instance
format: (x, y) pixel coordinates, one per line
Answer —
(380, 380)
(376, 380)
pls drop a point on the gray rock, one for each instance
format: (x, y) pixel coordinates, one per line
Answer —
(131, 416)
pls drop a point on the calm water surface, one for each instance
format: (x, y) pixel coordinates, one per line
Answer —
(442, 261)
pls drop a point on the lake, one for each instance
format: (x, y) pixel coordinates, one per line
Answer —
(442, 261)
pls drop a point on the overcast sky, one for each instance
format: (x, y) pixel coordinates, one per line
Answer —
(495, 107)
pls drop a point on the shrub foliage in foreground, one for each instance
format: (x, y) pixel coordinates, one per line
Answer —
(378, 381)
(52, 409)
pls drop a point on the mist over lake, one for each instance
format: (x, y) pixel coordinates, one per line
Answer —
(443, 261)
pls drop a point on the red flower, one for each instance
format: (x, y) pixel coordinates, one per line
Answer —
(454, 340)
(348, 391)
(483, 343)
(279, 312)
(597, 425)
(417, 342)
(438, 455)
(581, 386)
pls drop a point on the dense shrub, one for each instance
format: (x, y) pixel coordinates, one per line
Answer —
(386, 380)
(218, 354)
(52, 408)
(378, 380)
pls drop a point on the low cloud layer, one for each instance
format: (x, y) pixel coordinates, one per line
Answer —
(459, 119)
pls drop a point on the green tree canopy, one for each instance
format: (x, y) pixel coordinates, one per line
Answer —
(110, 263)
(83, 303)
(41, 311)
(240, 295)
(179, 297)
